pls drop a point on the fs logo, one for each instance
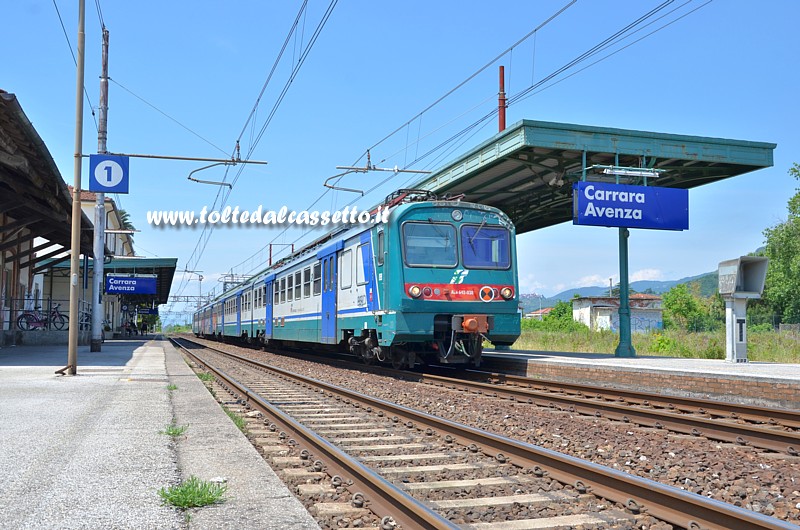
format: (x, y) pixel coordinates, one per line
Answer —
(458, 276)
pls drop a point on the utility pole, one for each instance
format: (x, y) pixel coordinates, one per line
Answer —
(100, 210)
(74, 263)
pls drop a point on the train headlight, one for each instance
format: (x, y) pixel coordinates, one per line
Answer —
(507, 293)
(414, 291)
(457, 215)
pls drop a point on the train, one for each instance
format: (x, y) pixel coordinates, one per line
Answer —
(431, 284)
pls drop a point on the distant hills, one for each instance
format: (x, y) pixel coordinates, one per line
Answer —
(706, 284)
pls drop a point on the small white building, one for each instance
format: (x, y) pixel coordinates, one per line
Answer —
(602, 312)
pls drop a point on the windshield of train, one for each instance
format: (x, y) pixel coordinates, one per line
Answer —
(430, 244)
(485, 247)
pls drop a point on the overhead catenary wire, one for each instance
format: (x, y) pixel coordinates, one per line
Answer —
(548, 81)
(75, 61)
(174, 120)
(207, 231)
(429, 107)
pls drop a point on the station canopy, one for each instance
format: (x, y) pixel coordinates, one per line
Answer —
(163, 269)
(528, 170)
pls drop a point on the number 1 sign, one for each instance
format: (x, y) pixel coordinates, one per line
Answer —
(108, 173)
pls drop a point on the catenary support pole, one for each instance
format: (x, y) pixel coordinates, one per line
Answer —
(100, 210)
(74, 265)
(625, 347)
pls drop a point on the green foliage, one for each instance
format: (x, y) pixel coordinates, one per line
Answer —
(782, 291)
(193, 493)
(172, 387)
(174, 430)
(559, 319)
(763, 327)
(664, 344)
(680, 306)
(761, 346)
(685, 309)
(237, 420)
(205, 376)
(178, 328)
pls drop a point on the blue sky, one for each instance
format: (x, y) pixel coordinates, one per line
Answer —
(726, 70)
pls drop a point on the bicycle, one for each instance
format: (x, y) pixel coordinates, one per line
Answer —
(35, 319)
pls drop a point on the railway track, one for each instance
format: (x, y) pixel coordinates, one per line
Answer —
(764, 428)
(420, 471)
(769, 429)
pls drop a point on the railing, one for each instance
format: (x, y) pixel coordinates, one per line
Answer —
(48, 314)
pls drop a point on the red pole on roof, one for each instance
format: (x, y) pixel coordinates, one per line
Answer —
(501, 101)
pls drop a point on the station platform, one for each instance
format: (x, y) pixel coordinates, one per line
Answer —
(752, 383)
(86, 451)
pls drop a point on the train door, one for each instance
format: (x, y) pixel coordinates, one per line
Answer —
(239, 314)
(268, 307)
(329, 286)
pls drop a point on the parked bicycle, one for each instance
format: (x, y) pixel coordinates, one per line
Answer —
(37, 320)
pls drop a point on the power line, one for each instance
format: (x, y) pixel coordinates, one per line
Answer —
(75, 61)
(100, 14)
(478, 72)
(418, 115)
(206, 233)
(140, 98)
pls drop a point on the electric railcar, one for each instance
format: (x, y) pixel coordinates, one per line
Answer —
(430, 284)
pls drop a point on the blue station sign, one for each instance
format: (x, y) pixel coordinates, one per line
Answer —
(108, 173)
(130, 285)
(620, 205)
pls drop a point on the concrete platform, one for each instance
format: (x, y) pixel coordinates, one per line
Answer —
(757, 383)
(85, 451)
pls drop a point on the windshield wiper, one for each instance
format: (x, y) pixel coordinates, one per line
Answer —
(476, 234)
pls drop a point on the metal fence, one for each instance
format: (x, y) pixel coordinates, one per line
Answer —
(47, 314)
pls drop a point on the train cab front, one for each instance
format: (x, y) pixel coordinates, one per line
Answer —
(459, 282)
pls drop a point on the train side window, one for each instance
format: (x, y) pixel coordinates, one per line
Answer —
(346, 269)
(307, 282)
(276, 289)
(283, 289)
(298, 284)
(328, 271)
(360, 272)
(379, 256)
(289, 287)
(317, 278)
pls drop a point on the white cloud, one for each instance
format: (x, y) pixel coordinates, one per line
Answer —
(594, 280)
(647, 274)
(529, 284)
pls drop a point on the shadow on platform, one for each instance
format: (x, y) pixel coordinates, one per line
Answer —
(114, 353)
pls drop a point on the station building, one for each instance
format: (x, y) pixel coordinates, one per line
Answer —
(602, 312)
(35, 239)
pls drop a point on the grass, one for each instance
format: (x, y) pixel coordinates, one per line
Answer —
(206, 376)
(236, 419)
(193, 493)
(174, 430)
(172, 387)
(767, 346)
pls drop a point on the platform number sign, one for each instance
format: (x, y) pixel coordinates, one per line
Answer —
(108, 173)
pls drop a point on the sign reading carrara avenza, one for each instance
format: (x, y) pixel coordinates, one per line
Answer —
(607, 204)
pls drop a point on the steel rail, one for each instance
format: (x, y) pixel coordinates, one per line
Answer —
(786, 417)
(743, 434)
(381, 495)
(667, 503)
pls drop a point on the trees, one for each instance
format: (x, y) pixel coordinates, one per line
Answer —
(686, 309)
(680, 306)
(782, 290)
